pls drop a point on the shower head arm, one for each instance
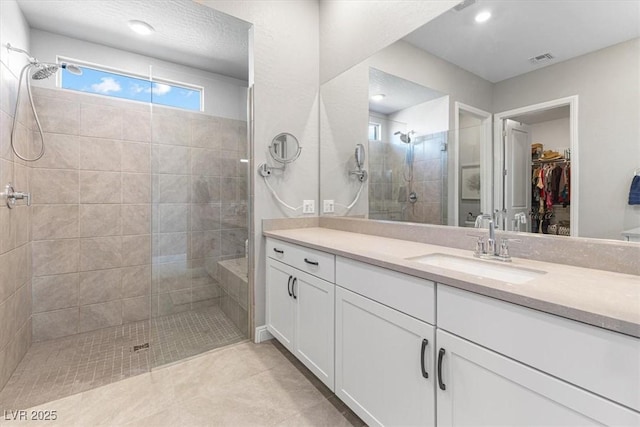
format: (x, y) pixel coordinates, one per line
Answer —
(15, 49)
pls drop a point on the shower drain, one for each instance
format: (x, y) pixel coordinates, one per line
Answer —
(144, 346)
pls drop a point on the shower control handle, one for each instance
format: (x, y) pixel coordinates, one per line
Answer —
(11, 196)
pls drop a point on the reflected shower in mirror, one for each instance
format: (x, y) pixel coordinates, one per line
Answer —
(495, 78)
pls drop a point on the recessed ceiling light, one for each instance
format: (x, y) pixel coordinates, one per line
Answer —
(378, 97)
(141, 27)
(483, 16)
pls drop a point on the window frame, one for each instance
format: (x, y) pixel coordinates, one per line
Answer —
(128, 74)
(378, 131)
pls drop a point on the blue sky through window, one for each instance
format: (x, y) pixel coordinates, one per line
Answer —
(122, 86)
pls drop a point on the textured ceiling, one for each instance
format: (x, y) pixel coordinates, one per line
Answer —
(186, 33)
(518, 30)
(399, 93)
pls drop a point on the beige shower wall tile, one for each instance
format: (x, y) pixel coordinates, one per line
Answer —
(100, 187)
(100, 220)
(54, 222)
(173, 217)
(101, 121)
(98, 316)
(22, 216)
(61, 152)
(100, 154)
(7, 320)
(55, 256)
(204, 133)
(100, 253)
(136, 250)
(136, 157)
(55, 292)
(136, 309)
(170, 129)
(136, 188)
(170, 159)
(136, 281)
(55, 324)
(58, 115)
(172, 188)
(136, 126)
(100, 286)
(136, 219)
(50, 186)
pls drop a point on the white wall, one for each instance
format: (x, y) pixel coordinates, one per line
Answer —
(350, 31)
(426, 118)
(607, 83)
(347, 92)
(14, 30)
(224, 96)
(286, 75)
(553, 134)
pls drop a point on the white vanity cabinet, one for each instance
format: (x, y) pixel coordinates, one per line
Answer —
(384, 357)
(300, 307)
(529, 368)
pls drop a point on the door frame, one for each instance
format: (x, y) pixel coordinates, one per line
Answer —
(486, 157)
(499, 152)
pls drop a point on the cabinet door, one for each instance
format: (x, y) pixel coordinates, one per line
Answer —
(314, 313)
(280, 304)
(380, 360)
(483, 388)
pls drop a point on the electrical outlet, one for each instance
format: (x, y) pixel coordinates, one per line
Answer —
(328, 207)
(308, 206)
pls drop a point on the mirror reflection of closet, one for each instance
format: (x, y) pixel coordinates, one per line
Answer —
(547, 175)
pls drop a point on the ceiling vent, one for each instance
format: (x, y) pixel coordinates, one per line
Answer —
(541, 58)
(463, 4)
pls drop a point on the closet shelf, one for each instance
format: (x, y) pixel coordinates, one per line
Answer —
(546, 162)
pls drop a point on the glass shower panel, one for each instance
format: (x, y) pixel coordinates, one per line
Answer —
(408, 180)
(199, 215)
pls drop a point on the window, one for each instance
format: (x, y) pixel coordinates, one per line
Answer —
(374, 132)
(102, 82)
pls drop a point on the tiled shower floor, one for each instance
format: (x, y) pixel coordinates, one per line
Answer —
(54, 369)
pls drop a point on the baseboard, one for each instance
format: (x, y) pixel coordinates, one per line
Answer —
(262, 334)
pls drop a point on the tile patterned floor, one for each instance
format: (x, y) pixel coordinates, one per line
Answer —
(54, 369)
(240, 385)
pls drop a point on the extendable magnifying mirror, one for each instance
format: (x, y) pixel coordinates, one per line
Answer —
(284, 148)
(359, 156)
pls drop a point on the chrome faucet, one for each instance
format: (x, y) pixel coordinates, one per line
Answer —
(490, 249)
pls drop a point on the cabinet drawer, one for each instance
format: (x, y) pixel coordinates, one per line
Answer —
(601, 361)
(408, 294)
(317, 263)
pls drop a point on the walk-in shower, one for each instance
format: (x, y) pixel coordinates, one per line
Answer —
(131, 255)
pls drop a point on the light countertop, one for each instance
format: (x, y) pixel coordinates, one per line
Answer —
(605, 299)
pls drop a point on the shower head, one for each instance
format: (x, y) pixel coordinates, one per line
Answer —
(404, 137)
(47, 70)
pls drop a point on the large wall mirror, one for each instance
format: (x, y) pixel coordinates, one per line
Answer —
(532, 116)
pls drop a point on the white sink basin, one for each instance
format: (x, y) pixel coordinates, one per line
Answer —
(483, 268)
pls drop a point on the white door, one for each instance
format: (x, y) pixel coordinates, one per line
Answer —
(477, 387)
(280, 303)
(384, 363)
(314, 342)
(517, 171)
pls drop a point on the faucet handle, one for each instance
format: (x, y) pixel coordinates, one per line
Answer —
(480, 245)
(504, 248)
